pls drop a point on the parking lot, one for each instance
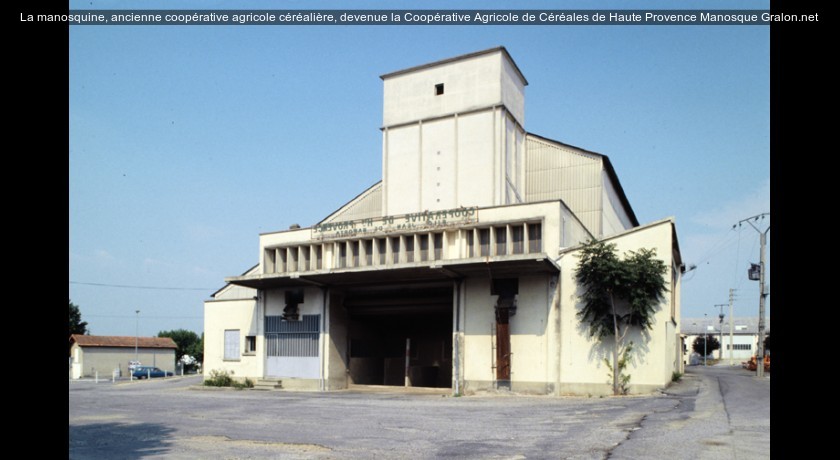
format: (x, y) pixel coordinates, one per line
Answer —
(172, 418)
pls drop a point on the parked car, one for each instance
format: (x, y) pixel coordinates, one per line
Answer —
(142, 372)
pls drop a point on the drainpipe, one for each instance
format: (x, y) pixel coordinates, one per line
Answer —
(556, 305)
(324, 294)
(457, 348)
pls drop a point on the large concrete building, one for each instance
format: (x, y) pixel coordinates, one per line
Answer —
(457, 269)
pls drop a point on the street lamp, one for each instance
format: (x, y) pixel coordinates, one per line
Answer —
(136, 335)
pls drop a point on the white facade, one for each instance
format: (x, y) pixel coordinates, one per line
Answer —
(462, 257)
(453, 135)
(743, 334)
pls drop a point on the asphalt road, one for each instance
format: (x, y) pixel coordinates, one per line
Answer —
(714, 412)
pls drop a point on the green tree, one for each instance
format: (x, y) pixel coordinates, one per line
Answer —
(184, 339)
(76, 325)
(709, 341)
(619, 294)
(199, 349)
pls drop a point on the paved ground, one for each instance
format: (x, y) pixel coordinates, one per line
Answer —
(715, 412)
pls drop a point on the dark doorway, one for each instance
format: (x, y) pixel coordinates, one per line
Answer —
(380, 321)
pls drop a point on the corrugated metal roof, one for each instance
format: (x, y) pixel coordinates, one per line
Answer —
(695, 326)
(608, 167)
(122, 342)
(365, 205)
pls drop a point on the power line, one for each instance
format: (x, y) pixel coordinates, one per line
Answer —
(716, 248)
(143, 317)
(126, 286)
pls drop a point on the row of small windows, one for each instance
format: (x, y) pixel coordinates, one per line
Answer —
(476, 242)
(741, 346)
(493, 241)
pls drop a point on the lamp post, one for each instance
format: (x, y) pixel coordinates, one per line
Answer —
(136, 335)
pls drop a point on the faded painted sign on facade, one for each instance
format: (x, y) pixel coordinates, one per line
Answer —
(426, 220)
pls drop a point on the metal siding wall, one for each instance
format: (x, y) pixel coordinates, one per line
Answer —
(614, 215)
(292, 338)
(556, 172)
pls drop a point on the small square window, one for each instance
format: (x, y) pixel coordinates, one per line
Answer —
(438, 89)
(250, 344)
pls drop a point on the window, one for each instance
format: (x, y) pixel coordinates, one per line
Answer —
(354, 247)
(501, 240)
(741, 346)
(438, 244)
(424, 246)
(292, 260)
(516, 232)
(534, 237)
(318, 262)
(408, 246)
(250, 344)
(281, 260)
(270, 266)
(304, 258)
(395, 249)
(438, 89)
(232, 345)
(368, 252)
(484, 241)
(342, 255)
(470, 243)
(381, 249)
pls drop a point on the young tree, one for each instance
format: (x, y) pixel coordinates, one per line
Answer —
(76, 325)
(619, 294)
(184, 339)
(197, 351)
(705, 344)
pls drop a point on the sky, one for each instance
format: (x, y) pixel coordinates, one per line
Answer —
(187, 142)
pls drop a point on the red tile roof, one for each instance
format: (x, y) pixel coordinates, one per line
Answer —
(118, 341)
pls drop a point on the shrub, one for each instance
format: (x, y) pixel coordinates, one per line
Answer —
(218, 379)
(676, 376)
(240, 385)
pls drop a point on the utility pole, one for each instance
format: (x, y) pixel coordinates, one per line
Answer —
(720, 350)
(136, 334)
(705, 338)
(731, 326)
(759, 368)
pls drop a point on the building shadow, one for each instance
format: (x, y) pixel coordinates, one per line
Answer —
(119, 440)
